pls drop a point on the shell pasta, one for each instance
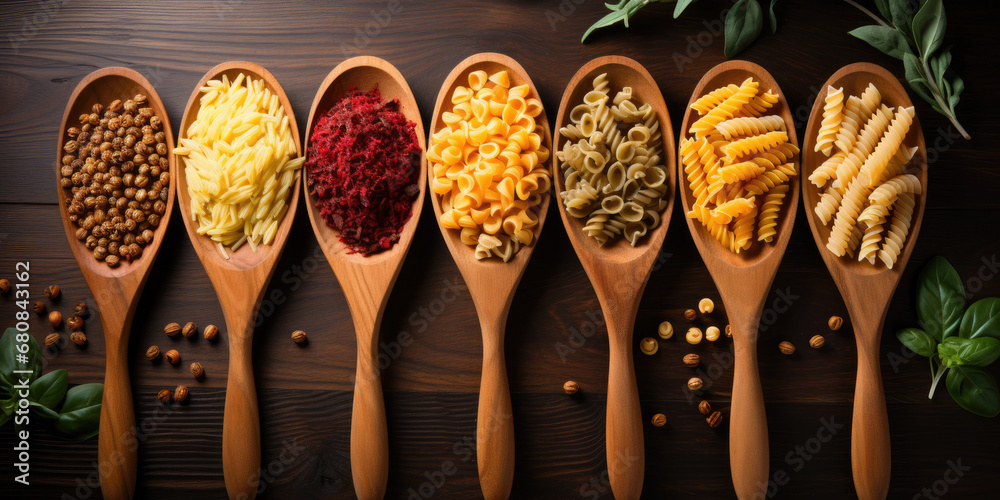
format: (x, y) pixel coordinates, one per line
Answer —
(739, 162)
(615, 178)
(869, 195)
(487, 165)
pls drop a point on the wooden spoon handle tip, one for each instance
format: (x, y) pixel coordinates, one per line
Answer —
(241, 424)
(495, 426)
(369, 437)
(117, 441)
(870, 447)
(748, 446)
(625, 452)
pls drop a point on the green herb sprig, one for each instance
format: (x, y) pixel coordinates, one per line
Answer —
(74, 412)
(744, 20)
(916, 39)
(958, 342)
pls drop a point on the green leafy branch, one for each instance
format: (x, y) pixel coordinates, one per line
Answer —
(744, 20)
(74, 412)
(916, 39)
(959, 342)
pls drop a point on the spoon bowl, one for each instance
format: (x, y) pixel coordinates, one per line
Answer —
(240, 283)
(618, 271)
(867, 289)
(743, 282)
(491, 283)
(367, 281)
(116, 291)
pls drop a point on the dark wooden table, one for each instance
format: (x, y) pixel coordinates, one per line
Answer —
(555, 332)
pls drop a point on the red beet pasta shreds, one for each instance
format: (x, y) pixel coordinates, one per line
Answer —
(363, 167)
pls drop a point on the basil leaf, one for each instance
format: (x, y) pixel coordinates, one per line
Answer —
(975, 390)
(940, 298)
(883, 8)
(883, 38)
(43, 412)
(612, 18)
(914, 75)
(928, 27)
(743, 24)
(902, 14)
(774, 19)
(681, 5)
(918, 341)
(81, 413)
(982, 319)
(939, 65)
(9, 361)
(7, 407)
(49, 389)
(981, 351)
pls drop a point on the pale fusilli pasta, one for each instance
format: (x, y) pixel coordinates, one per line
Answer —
(871, 197)
(833, 113)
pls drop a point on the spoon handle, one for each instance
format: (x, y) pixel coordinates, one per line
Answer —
(748, 447)
(369, 437)
(870, 448)
(625, 453)
(241, 422)
(117, 441)
(495, 426)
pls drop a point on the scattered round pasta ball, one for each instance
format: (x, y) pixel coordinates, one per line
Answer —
(666, 330)
(706, 305)
(712, 333)
(694, 335)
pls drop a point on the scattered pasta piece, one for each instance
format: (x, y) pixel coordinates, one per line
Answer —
(614, 175)
(738, 162)
(240, 163)
(487, 165)
(870, 196)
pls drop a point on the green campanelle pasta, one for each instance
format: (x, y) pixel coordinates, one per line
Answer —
(615, 178)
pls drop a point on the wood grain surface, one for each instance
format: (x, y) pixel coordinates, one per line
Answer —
(431, 351)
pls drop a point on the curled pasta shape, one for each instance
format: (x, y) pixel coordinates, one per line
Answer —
(886, 193)
(726, 109)
(754, 144)
(707, 102)
(865, 143)
(895, 238)
(726, 212)
(769, 213)
(750, 125)
(833, 113)
(886, 149)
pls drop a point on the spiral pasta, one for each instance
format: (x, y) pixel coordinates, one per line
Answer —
(738, 162)
(487, 165)
(871, 197)
(833, 114)
(769, 213)
(614, 175)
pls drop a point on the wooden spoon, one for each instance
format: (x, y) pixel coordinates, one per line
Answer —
(116, 291)
(867, 289)
(491, 284)
(744, 281)
(367, 281)
(619, 271)
(240, 283)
